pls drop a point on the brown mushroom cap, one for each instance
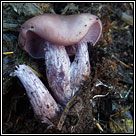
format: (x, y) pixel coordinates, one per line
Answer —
(58, 30)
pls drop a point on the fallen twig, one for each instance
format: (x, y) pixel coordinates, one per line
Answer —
(98, 125)
(127, 18)
(122, 63)
(8, 53)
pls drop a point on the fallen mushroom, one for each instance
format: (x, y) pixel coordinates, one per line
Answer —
(47, 36)
(45, 107)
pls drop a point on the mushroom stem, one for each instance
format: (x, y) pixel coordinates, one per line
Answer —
(58, 72)
(80, 67)
(44, 106)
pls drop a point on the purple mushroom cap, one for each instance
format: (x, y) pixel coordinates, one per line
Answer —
(58, 30)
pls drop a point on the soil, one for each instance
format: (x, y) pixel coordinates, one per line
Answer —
(104, 103)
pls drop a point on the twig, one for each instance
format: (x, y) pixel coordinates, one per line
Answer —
(117, 124)
(128, 92)
(131, 5)
(98, 125)
(127, 18)
(64, 115)
(122, 63)
(121, 112)
(8, 53)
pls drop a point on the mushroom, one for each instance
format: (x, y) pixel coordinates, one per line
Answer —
(55, 37)
(44, 105)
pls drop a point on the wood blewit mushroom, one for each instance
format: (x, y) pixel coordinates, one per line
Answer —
(51, 37)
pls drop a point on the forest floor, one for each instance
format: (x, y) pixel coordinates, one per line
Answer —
(105, 103)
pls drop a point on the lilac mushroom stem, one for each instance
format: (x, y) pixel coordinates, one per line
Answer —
(80, 67)
(44, 105)
(58, 72)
